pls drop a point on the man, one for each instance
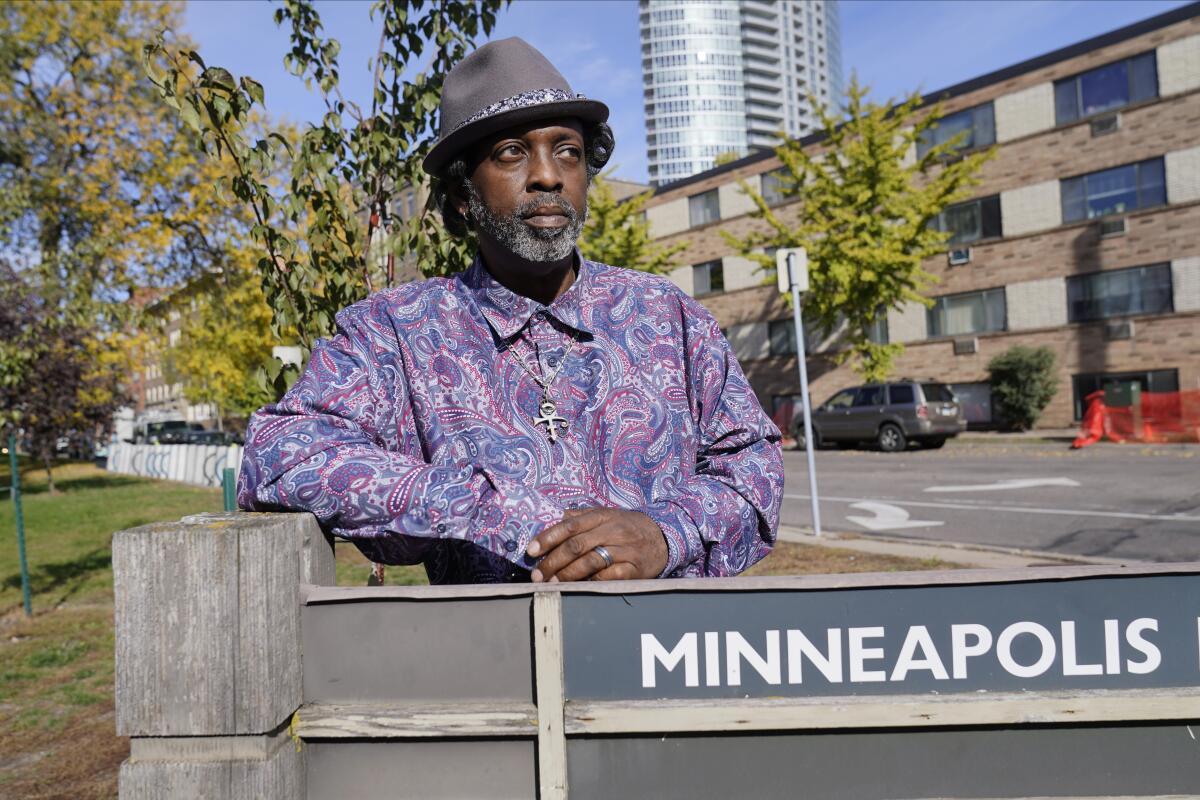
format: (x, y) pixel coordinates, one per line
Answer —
(539, 416)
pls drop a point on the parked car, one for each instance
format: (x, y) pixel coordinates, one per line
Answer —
(891, 415)
(165, 432)
(211, 437)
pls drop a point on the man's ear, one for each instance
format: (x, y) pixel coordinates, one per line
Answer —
(459, 199)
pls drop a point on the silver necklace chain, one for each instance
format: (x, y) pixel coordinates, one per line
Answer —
(545, 384)
(549, 411)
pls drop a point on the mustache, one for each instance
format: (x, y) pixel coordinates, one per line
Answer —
(544, 199)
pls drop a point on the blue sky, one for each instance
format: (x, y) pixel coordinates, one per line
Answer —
(893, 46)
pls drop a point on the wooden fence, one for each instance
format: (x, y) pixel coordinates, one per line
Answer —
(243, 672)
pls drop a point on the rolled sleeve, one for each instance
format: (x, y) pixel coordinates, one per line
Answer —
(722, 518)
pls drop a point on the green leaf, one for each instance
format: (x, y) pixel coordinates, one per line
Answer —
(221, 78)
(254, 89)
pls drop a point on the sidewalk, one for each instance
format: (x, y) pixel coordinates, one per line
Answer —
(967, 555)
(1036, 435)
(1058, 436)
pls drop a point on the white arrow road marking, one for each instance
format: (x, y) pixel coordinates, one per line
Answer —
(1016, 483)
(1058, 512)
(888, 517)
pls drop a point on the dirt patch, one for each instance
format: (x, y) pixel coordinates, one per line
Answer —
(57, 723)
(80, 762)
(790, 558)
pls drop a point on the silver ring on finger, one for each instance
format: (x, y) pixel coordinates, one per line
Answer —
(602, 551)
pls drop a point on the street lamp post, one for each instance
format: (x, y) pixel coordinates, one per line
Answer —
(792, 265)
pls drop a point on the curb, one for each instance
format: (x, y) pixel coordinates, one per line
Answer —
(972, 555)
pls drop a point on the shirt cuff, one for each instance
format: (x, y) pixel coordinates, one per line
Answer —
(683, 537)
(474, 504)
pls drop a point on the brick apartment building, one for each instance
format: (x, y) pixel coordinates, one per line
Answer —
(1083, 234)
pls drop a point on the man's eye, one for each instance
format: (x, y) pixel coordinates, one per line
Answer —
(571, 152)
(509, 151)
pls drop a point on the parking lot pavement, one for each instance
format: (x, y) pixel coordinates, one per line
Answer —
(1123, 502)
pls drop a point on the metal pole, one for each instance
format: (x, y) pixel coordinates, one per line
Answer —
(808, 437)
(16, 496)
(227, 484)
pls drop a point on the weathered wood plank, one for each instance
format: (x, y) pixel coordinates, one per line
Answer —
(280, 776)
(412, 720)
(953, 577)
(208, 622)
(824, 713)
(548, 666)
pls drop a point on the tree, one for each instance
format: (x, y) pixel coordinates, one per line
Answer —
(103, 194)
(319, 233)
(864, 216)
(103, 190)
(1023, 384)
(66, 387)
(225, 339)
(616, 232)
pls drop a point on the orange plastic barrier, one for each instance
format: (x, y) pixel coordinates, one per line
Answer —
(1162, 417)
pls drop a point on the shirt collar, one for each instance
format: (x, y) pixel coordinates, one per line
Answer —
(508, 312)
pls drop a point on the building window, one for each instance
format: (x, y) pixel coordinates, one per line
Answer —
(971, 221)
(782, 333)
(708, 278)
(1114, 191)
(773, 184)
(877, 331)
(1105, 88)
(704, 208)
(971, 312)
(1158, 380)
(976, 125)
(1119, 293)
(782, 336)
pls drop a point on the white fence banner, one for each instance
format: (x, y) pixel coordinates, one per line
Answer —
(198, 464)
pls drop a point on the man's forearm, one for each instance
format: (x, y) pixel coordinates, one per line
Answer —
(358, 490)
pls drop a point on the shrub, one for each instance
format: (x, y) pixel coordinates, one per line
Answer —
(1023, 383)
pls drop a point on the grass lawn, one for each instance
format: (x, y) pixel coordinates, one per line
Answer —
(57, 729)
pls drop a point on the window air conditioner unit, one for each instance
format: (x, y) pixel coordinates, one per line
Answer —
(1105, 125)
(1120, 329)
(959, 256)
(1112, 227)
(966, 347)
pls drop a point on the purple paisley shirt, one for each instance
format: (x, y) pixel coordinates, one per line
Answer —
(411, 432)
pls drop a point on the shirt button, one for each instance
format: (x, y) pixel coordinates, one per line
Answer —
(510, 545)
(552, 361)
(441, 527)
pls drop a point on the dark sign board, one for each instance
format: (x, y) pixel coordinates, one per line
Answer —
(1092, 633)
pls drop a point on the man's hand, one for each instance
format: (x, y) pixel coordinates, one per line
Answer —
(634, 541)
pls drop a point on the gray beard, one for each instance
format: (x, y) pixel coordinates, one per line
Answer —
(523, 240)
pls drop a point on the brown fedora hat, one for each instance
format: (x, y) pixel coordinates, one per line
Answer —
(504, 83)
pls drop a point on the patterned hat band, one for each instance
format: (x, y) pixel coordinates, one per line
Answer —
(535, 97)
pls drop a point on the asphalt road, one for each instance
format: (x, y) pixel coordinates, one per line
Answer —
(1111, 501)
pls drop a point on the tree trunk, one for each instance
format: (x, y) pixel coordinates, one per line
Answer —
(49, 472)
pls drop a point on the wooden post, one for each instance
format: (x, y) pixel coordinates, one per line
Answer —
(208, 670)
(548, 668)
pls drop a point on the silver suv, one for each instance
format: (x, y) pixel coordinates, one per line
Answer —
(890, 415)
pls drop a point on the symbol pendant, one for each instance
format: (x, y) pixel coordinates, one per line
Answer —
(549, 417)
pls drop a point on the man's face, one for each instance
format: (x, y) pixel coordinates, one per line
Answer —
(528, 190)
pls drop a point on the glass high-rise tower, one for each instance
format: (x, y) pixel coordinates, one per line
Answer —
(726, 76)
